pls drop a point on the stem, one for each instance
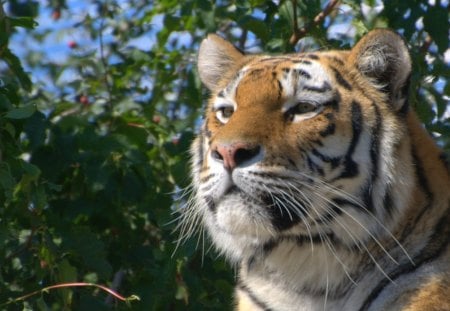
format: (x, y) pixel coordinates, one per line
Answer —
(76, 284)
(301, 32)
(243, 39)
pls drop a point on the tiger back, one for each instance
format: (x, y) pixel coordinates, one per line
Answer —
(314, 177)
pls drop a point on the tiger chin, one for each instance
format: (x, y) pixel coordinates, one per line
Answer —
(314, 177)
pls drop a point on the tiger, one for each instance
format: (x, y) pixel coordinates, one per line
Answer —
(313, 176)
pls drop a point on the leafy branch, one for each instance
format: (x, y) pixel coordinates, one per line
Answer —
(300, 32)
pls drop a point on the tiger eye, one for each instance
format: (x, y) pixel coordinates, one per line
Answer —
(300, 108)
(227, 112)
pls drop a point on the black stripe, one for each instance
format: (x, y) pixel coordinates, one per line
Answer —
(350, 167)
(337, 60)
(302, 61)
(302, 73)
(299, 240)
(329, 130)
(421, 176)
(334, 104)
(206, 178)
(333, 211)
(280, 89)
(329, 116)
(281, 218)
(321, 89)
(314, 167)
(253, 298)
(437, 244)
(312, 56)
(206, 131)
(374, 159)
(255, 72)
(334, 161)
(200, 151)
(210, 203)
(367, 197)
(403, 111)
(340, 80)
(422, 183)
(388, 204)
(375, 144)
(340, 202)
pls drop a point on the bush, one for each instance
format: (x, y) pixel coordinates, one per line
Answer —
(94, 146)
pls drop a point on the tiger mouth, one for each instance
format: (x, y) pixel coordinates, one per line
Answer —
(233, 190)
(281, 218)
(260, 199)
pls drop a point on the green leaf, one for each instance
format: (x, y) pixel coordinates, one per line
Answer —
(42, 306)
(25, 22)
(21, 112)
(257, 26)
(16, 67)
(31, 170)
(66, 274)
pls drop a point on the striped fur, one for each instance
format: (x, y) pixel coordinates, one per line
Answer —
(313, 176)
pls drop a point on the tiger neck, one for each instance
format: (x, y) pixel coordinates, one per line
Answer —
(300, 266)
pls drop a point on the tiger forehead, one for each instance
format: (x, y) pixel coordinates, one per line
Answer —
(278, 79)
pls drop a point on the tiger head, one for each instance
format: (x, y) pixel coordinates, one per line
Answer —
(302, 145)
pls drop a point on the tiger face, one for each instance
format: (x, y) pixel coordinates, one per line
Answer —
(314, 160)
(285, 144)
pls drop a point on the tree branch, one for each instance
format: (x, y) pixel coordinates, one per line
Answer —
(301, 32)
(243, 39)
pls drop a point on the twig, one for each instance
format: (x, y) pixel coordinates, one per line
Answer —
(77, 284)
(243, 39)
(301, 32)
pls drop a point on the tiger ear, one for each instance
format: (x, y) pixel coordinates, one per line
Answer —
(217, 58)
(382, 56)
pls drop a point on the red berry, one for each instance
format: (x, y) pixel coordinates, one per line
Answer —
(84, 100)
(72, 44)
(156, 119)
(56, 15)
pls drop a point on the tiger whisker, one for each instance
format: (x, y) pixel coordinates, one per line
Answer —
(354, 200)
(322, 236)
(371, 235)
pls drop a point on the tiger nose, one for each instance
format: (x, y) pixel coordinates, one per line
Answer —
(235, 154)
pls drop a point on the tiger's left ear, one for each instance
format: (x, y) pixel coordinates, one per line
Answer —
(382, 56)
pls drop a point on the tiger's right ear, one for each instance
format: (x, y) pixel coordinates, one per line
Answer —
(217, 58)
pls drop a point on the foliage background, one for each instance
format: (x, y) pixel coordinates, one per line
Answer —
(94, 133)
